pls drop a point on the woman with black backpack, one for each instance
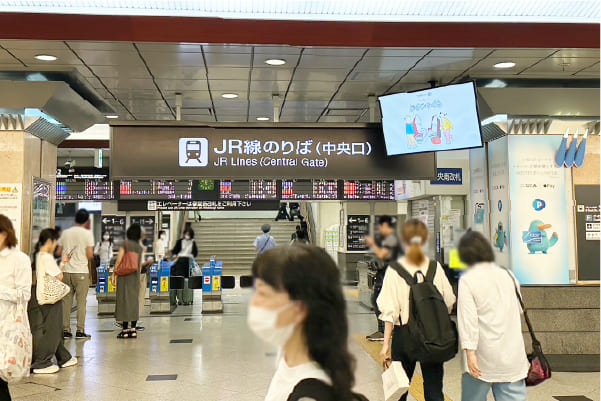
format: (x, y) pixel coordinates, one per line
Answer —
(298, 306)
(430, 294)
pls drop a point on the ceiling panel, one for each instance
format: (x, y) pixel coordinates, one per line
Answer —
(346, 104)
(290, 58)
(127, 71)
(578, 53)
(387, 63)
(6, 58)
(309, 95)
(227, 48)
(338, 119)
(457, 52)
(329, 74)
(261, 107)
(33, 44)
(488, 65)
(306, 105)
(111, 46)
(227, 60)
(182, 84)
(179, 59)
(201, 118)
(365, 87)
(310, 86)
(137, 93)
(261, 95)
(385, 76)
(191, 103)
(133, 83)
(229, 73)
(231, 106)
(425, 76)
(313, 61)
(172, 72)
(228, 85)
(262, 50)
(271, 73)
(65, 56)
(105, 57)
(397, 52)
(274, 86)
(517, 53)
(444, 63)
(355, 52)
(169, 47)
(562, 64)
(189, 95)
(154, 116)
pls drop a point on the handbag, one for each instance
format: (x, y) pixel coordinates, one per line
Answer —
(130, 263)
(51, 290)
(395, 381)
(15, 341)
(540, 370)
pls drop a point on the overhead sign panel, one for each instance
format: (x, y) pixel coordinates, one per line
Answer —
(354, 152)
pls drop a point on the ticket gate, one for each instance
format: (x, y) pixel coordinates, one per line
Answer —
(211, 287)
(159, 287)
(105, 291)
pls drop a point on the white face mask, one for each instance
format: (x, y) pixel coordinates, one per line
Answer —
(186, 236)
(262, 322)
(106, 237)
(163, 236)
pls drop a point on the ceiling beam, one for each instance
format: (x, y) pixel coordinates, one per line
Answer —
(42, 26)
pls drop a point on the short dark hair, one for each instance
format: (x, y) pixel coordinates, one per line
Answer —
(385, 219)
(475, 248)
(6, 226)
(134, 232)
(190, 232)
(82, 216)
(162, 232)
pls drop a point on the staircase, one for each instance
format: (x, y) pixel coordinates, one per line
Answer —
(231, 240)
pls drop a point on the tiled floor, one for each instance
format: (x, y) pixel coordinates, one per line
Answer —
(223, 362)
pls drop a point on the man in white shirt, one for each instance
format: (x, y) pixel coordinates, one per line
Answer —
(78, 241)
(264, 242)
(490, 328)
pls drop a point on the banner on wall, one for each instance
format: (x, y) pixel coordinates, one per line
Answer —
(479, 208)
(498, 178)
(538, 211)
(10, 204)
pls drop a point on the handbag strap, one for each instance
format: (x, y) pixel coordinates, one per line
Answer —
(524, 310)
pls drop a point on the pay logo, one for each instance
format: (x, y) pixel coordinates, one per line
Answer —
(193, 152)
(538, 204)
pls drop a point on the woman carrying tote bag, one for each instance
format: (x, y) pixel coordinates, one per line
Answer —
(46, 308)
(126, 276)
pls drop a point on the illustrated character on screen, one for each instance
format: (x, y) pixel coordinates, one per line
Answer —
(500, 237)
(419, 136)
(545, 243)
(446, 127)
(435, 130)
(409, 124)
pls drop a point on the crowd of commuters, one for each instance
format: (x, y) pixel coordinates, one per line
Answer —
(297, 306)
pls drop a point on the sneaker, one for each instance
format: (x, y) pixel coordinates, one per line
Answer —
(80, 335)
(69, 363)
(47, 371)
(67, 334)
(119, 324)
(140, 328)
(376, 336)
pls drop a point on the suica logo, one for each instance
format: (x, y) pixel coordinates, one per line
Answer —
(193, 152)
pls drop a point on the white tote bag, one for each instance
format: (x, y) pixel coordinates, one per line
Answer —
(15, 341)
(395, 381)
(50, 290)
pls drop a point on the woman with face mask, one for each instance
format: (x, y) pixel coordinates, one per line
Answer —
(299, 307)
(160, 245)
(185, 250)
(104, 249)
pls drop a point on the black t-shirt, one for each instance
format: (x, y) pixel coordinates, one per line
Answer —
(393, 244)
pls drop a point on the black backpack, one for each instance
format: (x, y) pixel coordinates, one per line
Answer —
(430, 335)
(317, 390)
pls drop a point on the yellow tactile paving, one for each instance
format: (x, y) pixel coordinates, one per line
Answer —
(373, 349)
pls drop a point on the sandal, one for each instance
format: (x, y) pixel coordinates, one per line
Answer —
(133, 334)
(123, 334)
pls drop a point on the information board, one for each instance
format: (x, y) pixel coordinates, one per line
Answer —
(309, 189)
(40, 209)
(84, 183)
(137, 205)
(148, 226)
(357, 227)
(248, 189)
(155, 189)
(588, 231)
(368, 190)
(115, 225)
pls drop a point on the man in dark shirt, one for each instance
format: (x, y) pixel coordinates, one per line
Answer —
(387, 252)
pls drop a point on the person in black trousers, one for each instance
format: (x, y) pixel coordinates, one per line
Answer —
(185, 249)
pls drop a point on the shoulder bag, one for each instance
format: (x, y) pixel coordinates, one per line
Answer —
(540, 370)
(130, 263)
(50, 290)
(16, 345)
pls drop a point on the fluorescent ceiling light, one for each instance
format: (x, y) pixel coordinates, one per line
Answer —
(46, 57)
(262, 118)
(275, 61)
(229, 95)
(112, 116)
(505, 64)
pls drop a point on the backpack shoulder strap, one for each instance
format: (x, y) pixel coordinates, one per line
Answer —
(432, 267)
(313, 389)
(405, 275)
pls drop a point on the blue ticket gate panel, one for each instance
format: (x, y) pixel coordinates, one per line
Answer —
(211, 287)
(105, 291)
(159, 287)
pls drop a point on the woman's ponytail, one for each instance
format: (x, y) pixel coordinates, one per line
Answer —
(414, 234)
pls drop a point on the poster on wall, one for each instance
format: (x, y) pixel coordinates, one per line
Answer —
(356, 229)
(538, 211)
(40, 209)
(588, 231)
(10, 204)
(479, 207)
(498, 178)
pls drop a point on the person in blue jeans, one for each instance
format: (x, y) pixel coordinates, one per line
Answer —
(490, 328)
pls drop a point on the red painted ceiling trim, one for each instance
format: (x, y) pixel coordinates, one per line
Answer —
(298, 33)
(85, 144)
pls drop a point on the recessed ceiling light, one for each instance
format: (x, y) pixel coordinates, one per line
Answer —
(45, 57)
(275, 61)
(229, 95)
(262, 118)
(505, 64)
(112, 116)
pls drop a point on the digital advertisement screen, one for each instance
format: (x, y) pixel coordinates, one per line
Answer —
(431, 120)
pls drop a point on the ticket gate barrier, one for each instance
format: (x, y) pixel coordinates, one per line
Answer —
(211, 286)
(105, 291)
(159, 286)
